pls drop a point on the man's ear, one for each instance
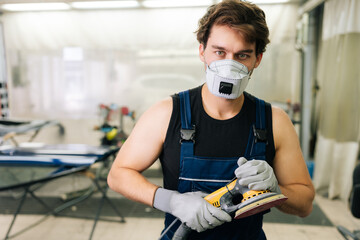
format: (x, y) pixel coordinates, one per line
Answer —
(202, 52)
(258, 60)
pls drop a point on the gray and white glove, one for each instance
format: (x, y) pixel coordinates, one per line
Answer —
(256, 175)
(191, 208)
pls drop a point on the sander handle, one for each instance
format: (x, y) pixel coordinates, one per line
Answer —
(182, 233)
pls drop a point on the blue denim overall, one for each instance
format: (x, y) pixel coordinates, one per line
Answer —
(209, 174)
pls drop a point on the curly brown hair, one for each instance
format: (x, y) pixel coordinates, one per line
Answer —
(245, 17)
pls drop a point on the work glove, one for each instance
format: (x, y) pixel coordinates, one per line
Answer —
(191, 208)
(256, 175)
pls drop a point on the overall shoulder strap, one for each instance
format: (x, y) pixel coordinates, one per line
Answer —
(187, 128)
(260, 124)
(187, 131)
(257, 141)
(185, 110)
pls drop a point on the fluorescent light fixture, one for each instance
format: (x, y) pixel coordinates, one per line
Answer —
(104, 4)
(35, 6)
(176, 3)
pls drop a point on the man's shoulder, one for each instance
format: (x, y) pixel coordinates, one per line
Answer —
(161, 108)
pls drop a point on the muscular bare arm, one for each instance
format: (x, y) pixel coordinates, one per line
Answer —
(290, 168)
(139, 152)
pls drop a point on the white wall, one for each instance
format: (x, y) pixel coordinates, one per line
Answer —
(128, 57)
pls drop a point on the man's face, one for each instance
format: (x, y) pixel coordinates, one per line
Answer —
(226, 43)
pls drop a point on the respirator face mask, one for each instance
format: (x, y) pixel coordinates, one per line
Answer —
(227, 78)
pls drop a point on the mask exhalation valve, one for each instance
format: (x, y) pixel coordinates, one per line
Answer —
(225, 88)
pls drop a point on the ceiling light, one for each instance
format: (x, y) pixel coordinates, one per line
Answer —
(176, 3)
(104, 4)
(34, 6)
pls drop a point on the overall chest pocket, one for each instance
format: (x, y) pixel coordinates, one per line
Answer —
(206, 174)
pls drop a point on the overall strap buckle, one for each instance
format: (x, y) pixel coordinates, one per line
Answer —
(260, 134)
(187, 134)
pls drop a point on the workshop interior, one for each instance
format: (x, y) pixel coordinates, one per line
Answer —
(76, 76)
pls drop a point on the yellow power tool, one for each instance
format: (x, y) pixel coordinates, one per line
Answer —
(238, 202)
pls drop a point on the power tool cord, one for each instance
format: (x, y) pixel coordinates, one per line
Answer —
(168, 228)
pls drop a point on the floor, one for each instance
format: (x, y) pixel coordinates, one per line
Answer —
(148, 224)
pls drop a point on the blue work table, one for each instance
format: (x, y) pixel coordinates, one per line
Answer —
(28, 167)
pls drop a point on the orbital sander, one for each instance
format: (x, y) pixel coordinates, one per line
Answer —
(238, 202)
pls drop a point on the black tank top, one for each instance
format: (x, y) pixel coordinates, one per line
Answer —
(213, 138)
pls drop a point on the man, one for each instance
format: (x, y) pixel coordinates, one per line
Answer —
(202, 136)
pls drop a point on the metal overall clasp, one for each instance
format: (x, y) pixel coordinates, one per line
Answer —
(260, 134)
(187, 134)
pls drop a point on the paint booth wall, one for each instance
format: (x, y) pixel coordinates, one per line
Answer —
(62, 65)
